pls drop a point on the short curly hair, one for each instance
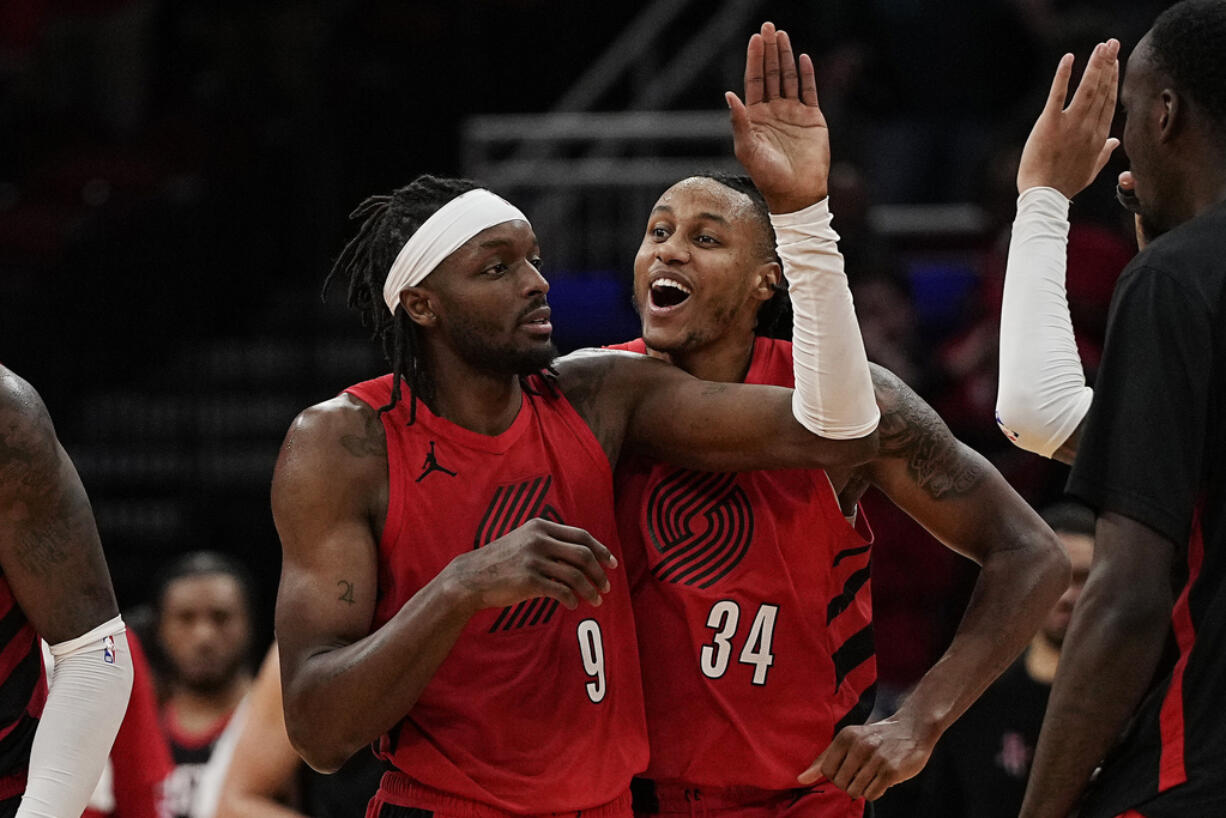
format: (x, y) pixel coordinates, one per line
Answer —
(1188, 42)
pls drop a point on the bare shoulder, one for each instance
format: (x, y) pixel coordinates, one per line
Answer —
(31, 468)
(344, 425)
(911, 431)
(603, 384)
(335, 445)
(26, 432)
(49, 547)
(587, 374)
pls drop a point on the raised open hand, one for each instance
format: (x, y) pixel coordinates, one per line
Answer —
(1069, 146)
(779, 131)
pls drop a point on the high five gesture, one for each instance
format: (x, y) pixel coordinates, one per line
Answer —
(779, 131)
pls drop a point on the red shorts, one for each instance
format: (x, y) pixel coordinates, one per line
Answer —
(401, 797)
(822, 801)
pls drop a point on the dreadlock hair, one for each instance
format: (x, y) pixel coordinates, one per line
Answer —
(388, 223)
(1188, 42)
(775, 316)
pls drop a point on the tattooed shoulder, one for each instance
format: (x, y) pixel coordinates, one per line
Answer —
(373, 440)
(583, 377)
(910, 429)
(50, 514)
(27, 438)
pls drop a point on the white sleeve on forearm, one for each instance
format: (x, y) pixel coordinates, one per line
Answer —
(1043, 394)
(87, 697)
(834, 390)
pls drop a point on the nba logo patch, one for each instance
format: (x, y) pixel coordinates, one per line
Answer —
(1009, 433)
(108, 650)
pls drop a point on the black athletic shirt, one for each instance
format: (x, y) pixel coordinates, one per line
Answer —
(980, 766)
(1154, 450)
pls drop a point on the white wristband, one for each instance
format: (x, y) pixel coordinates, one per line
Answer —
(1042, 395)
(834, 390)
(86, 699)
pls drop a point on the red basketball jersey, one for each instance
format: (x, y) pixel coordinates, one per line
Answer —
(537, 708)
(752, 600)
(23, 692)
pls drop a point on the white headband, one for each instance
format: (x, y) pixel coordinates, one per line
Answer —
(441, 235)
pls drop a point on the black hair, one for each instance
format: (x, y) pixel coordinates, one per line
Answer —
(1069, 518)
(388, 223)
(199, 563)
(1188, 42)
(775, 316)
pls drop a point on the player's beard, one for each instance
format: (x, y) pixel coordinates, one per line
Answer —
(221, 677)
(471, 341)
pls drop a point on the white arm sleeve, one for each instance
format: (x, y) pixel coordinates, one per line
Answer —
(1043, 394)
(86, 699)
(834, 390)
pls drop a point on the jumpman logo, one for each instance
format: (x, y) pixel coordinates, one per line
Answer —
(432, 464)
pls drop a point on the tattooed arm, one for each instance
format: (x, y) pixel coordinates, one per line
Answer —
(342, 684)
(52, 562)
(49, 548)
(964, 502)
(668, 414)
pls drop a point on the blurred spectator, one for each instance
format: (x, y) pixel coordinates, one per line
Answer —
(132, 784)
(980, 766)
(267, 779)
(203, 618)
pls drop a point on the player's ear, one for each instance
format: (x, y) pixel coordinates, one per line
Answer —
(418, 304)
(766, 277)
(1171, 115)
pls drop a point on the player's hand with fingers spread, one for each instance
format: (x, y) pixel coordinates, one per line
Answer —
(779, 131)
(540, 558)
(866, 760)
(1068, 147)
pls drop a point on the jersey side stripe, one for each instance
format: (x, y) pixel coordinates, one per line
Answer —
(1171, 769)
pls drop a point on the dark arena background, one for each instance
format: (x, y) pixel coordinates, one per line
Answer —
(175, 179)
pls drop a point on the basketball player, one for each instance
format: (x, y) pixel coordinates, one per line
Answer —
(54, 737)
(751, 590)
(1141, 685)
(450, 583)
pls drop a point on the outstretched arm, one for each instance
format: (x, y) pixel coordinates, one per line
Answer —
(781, 138)
(344, 686)
(957, 495)
(52, 561)
(1043, 396)
(652, 407)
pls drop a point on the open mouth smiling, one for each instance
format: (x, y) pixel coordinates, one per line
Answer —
(666, 293)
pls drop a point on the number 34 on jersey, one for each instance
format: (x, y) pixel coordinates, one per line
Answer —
(724, 620)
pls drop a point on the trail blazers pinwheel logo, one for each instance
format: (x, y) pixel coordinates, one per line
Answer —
(512, 506)
(701, 524)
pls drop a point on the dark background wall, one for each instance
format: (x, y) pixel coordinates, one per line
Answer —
(175, 177)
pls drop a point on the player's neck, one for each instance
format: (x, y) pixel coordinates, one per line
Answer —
(1041, 660)
(1199, 183)
(196, 711)
(478, 400)
(725, 360)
